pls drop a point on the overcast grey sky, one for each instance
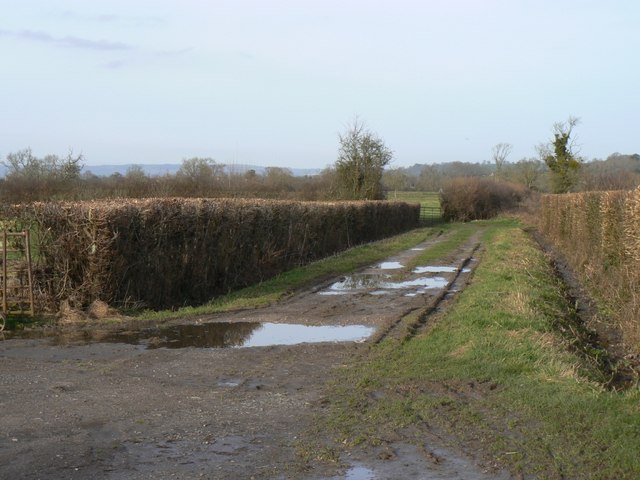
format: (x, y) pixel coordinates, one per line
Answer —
(274, 82)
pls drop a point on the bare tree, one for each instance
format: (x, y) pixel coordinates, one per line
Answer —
(528, 172)
(500, 153)
(31, 178)
(395, 179)
(199, 176)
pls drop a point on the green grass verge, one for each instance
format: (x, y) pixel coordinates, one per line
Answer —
(458, 233)
(494, 373)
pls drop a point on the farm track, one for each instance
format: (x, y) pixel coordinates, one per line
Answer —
(76, 407)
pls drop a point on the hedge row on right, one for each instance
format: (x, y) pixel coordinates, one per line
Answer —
(599, 234)
(604, 225)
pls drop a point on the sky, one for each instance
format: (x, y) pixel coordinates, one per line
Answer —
(274, 83)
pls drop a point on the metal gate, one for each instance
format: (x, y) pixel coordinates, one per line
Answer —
(429, 216)
(16, 283)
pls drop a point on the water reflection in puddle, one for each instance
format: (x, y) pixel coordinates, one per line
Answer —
(216, 335)
(435, 269)
(291, 334)
(390, 265)
(355, 282)
(379, 292)
(333, 292)
(360, 473)
(229, 383)
(426, 282)
(380, 284)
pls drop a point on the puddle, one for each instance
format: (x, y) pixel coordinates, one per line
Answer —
(379, 284)
(230, 382)
(360, 473)
(217, 335)
(390, 265)
(435, 269)
(409, 461)
(354, 282)
(418, 249)
(292, 334)
(379, 292)
(426, 282)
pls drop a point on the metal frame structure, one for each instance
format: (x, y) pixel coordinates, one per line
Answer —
(16, 282)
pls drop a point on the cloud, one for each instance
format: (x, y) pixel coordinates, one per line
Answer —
(115, 64)
(101, 17)
(174, 53)
(67, 41)
(110, 18)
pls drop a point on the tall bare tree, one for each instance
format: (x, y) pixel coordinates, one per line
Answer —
(500, 152)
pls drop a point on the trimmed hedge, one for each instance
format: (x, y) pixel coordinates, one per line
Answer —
(605, 225)
(164, 253)
(599, 233)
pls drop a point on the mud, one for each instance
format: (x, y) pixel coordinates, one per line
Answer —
(87, 403)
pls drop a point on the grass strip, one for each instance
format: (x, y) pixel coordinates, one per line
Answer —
(493, 374)
(458, 234)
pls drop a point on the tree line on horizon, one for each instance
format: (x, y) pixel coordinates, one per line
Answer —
(360, 172)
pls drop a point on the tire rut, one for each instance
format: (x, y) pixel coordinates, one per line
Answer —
(410, 325)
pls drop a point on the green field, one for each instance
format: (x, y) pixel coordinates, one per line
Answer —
(425, 199)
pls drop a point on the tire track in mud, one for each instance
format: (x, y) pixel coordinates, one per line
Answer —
(429, 453)
(462, 274)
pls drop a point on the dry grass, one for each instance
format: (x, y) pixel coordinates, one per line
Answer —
(518, 303)
(462, 350)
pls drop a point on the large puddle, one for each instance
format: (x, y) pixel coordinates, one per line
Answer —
(354, 282)
(435, 269)
(213, 335)
(382, 284)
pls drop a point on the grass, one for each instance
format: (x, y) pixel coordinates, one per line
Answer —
(429, 202)
(459, 233)
(493, 373)
(425, 199)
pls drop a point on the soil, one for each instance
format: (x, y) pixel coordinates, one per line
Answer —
(74, 403)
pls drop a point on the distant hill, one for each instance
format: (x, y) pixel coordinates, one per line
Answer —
(172, 168)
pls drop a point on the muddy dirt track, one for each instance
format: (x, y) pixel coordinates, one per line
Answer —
(138, 403)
